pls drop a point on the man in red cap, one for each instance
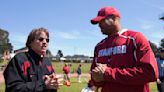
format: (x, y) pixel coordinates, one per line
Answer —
(123, 61)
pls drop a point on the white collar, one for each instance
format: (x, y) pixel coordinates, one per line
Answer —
(122, 31)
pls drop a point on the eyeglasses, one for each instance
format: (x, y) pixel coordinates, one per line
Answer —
(41, 39)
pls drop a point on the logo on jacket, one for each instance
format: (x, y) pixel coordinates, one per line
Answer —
(112, 51)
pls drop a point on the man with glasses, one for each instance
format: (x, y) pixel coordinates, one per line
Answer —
(123, 61)
(32, 71)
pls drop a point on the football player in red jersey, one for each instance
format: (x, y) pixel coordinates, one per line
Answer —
(123, 61)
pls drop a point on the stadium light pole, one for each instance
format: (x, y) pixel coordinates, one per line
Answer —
(161, 17)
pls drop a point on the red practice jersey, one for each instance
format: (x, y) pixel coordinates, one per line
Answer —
(131, 62)
(66, 69)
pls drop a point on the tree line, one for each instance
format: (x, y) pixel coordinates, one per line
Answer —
(156, 48)
(6, 45)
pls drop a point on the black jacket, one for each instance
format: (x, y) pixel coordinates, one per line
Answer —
(25, 71)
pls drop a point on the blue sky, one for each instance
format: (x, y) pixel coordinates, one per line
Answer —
(68, 21)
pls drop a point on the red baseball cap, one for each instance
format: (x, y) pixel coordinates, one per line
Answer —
(103, 13)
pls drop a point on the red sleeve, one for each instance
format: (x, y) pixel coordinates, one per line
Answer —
(144, 71)
(68, 69)
(93, 65)
(63, 68)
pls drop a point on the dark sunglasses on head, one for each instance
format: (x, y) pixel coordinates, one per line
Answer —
(41, 39)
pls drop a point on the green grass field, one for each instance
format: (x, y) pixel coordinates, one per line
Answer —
(76, 87)
(59, 66)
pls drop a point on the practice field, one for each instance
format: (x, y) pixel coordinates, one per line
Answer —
(75, 86)
(58, 66)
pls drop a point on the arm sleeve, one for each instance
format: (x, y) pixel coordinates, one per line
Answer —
(93, 65)
(145, 70)
(15, 82)
(50, 70)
